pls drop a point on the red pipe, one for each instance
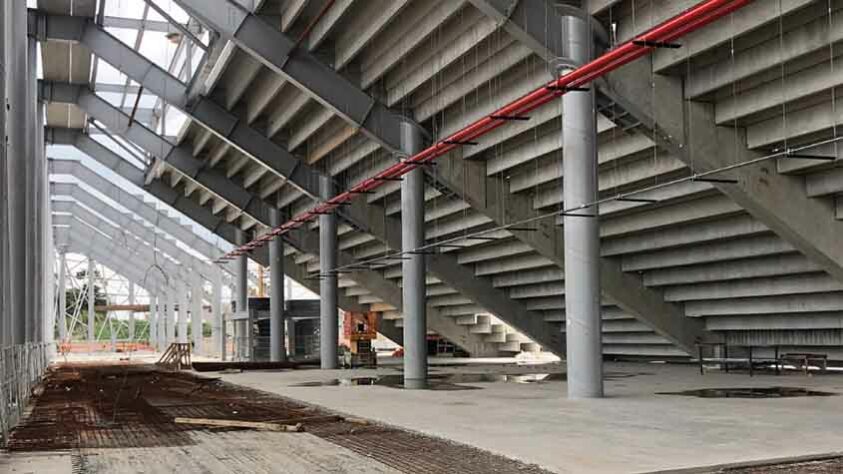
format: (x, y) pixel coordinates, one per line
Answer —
(680, 25)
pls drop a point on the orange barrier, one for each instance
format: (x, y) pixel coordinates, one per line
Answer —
(80, 347)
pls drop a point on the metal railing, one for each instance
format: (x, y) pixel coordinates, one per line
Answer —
(21, 368)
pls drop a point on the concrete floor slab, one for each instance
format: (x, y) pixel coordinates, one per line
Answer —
(36, 463)
(632, 430)
(213, 452)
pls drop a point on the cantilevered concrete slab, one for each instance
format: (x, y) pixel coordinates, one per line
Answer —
(779, 201)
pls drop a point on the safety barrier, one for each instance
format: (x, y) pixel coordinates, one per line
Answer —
(21, 368)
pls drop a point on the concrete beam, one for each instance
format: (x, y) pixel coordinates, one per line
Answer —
(81, 240)
(207, 111)
(126, 223)
(116, 264)
(134, 203)
(275, 50)
(626, 290)
(116, 239)
(778, 201)
(179, 157)
(385, 290)
(325, 85)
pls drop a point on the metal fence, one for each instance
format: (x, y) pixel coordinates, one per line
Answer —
(21, 368)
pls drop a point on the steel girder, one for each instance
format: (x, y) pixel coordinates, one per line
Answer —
(127, 223)
(278, 52)
(274, 49)
(181, 158)
(216, 182)
(624, 289)
(98, 230)
(212, 115)
(371, 280)
(204, 110)
(132, 202)
(78, 241)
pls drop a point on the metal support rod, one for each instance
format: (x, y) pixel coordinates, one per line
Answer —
(62, 298)
(171, 318)
(182, 28)
(152, 321)
(691, 20)
(131, 313)
(241, 295)
(582, 236)
(219, 317)
(329, 317)
(91, 302)
(110, 318)
(413, 267)
(182, 289)
(163, 311)
(196, 314)
(277, 351)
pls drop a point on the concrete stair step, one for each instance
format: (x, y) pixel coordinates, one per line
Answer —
(512, 346)
(516, 337)
(530, 347)
(481, 328)
(467, 320)
(498, 334)
(495, 337)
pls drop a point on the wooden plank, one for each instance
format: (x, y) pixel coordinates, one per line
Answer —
(257, 425)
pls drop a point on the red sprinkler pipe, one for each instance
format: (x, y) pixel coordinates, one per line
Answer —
(680, 25)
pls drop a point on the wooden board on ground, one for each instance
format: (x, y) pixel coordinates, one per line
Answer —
(257, 425)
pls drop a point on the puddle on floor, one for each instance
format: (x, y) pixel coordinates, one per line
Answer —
(391, 381)
(453, 381)
(751, 392)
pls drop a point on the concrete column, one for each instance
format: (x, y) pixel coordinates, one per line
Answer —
(329, 316)
(47, 328)
(152, 321)
(413, 267)
(17, 86)
(582, 234)
(91, 302)
(183, 309)
(241, 296)
(219, 317)
(171, 317)
(277, 351)
(196, 315)
(163, 323)
(61, 312)
(31, 189)
(5, 313)
(132, 313)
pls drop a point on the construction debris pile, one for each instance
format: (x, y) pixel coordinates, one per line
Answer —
(133, 405)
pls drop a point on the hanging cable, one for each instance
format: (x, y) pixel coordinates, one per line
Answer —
(693, 19)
